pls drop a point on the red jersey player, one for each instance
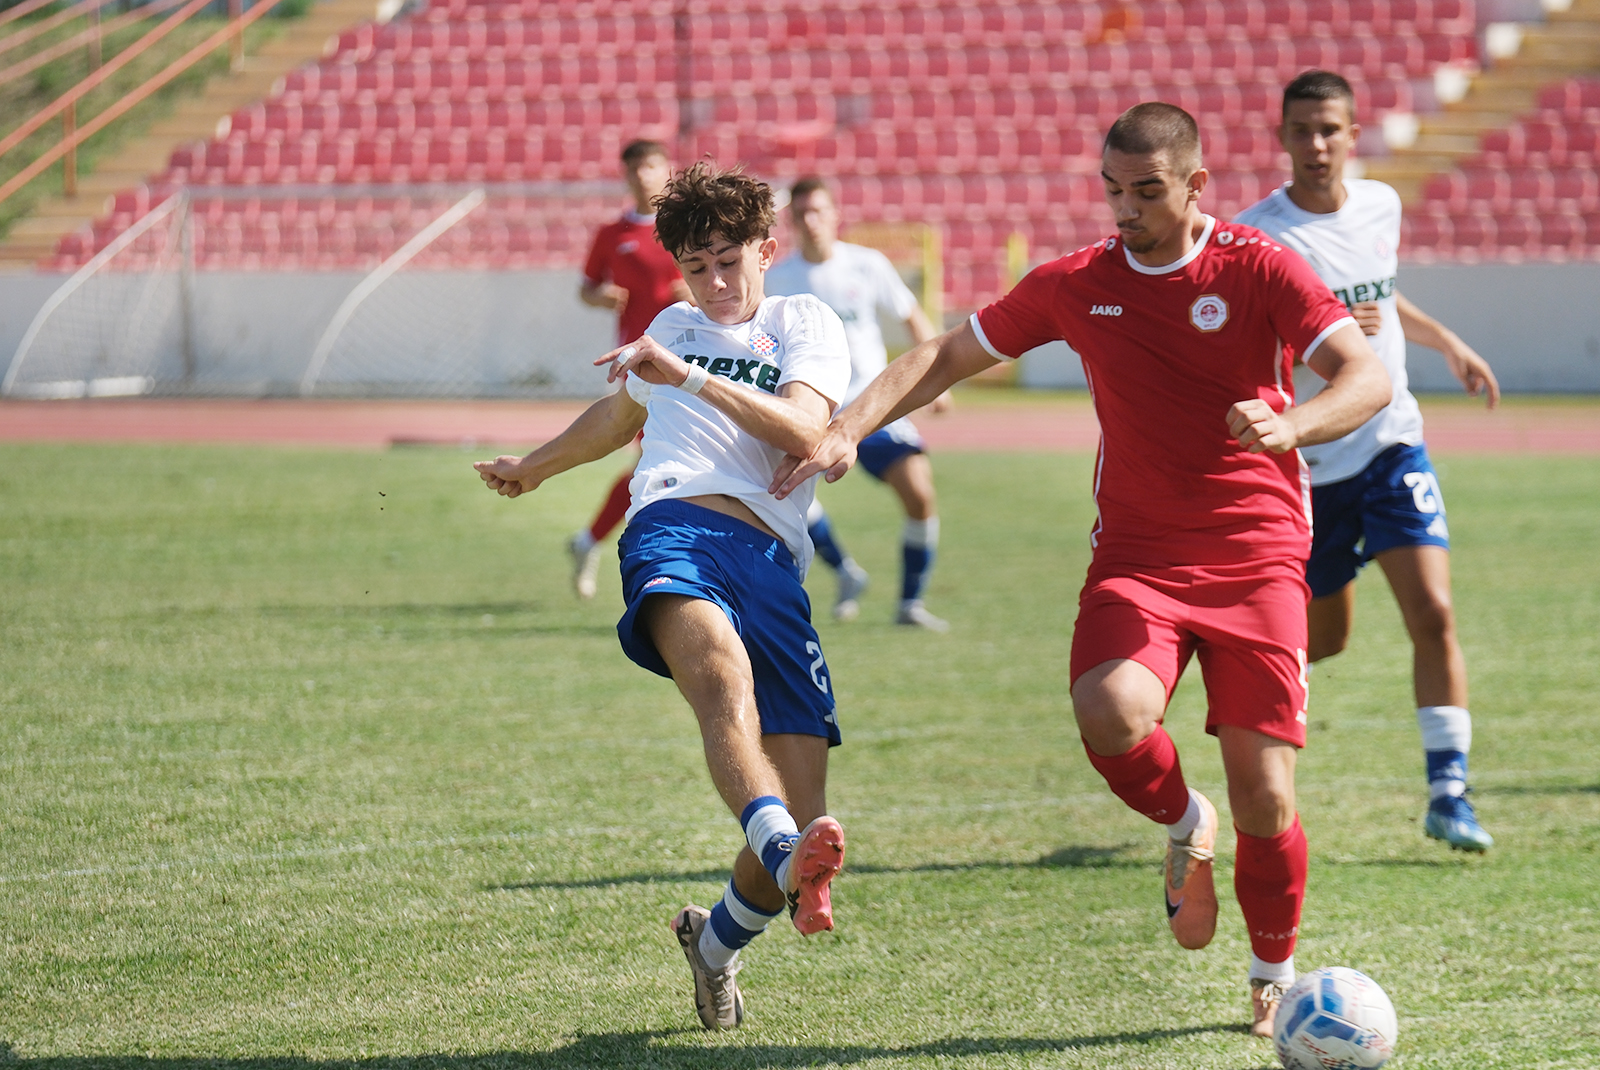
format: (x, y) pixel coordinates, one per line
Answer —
(630, 273)
(1203, 528)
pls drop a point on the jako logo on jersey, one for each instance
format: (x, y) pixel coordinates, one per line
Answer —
(1106, 310)
(763, 344)
(1208, 313)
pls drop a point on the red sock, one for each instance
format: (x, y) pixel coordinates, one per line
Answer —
(1269, 877)
(1147, 778)
(615, 508)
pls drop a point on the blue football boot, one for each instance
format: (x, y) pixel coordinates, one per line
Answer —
(1451, 819)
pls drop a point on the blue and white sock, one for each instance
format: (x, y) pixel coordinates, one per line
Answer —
(919, 545)
(735, 921)
(1446, 739)
(820, 529)
(770, 831)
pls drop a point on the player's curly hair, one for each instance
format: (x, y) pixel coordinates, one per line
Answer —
(702, 202)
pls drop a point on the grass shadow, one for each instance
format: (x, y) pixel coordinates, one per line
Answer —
(1082, 857)
(640, 1048)
(1534, 789)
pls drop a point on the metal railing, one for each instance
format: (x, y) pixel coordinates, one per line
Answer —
(65, 105)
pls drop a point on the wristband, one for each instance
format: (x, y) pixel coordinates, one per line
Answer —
(698, 377)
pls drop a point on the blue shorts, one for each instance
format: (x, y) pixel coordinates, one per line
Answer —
(1394, 502)
(878, 452)
(674, 547)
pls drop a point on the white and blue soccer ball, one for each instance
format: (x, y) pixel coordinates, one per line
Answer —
(1335, 1018)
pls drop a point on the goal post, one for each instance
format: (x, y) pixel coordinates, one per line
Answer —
(120, 324)
(377, 336)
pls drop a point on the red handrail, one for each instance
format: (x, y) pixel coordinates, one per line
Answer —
(77, 92)
(138, 96)
(72, 44)
(28, 7)
(22, 37)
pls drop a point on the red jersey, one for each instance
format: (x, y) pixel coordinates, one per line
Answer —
(626, 252)
(1167, 351)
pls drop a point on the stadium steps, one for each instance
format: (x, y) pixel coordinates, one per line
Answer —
(195, 119)
(1548, 53)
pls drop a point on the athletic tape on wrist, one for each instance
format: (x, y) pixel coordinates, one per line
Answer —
(698, 377)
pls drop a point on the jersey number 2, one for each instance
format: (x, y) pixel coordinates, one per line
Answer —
(818, 678)
(1424, 491)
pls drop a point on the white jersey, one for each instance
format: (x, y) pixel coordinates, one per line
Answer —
(855, 282)
(1356, 252)
(691, 448)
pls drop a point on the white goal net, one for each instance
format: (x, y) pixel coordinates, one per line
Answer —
(119, 325)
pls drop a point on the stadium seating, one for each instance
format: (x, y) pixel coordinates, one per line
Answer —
(982, 118)
(1531, 192)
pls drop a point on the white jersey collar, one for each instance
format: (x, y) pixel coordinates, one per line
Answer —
(634, 217)
(1183, 261)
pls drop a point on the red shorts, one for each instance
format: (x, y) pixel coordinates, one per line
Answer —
(1247, 623)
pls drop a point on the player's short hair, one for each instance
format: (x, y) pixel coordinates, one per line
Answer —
(702, 202)
(1156, 127)
(809, 185)
(1319, 85)
(642, 149)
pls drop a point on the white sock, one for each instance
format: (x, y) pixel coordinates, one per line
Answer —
(771, 822)
(1281, 972)
(1180, 829)
(583, 542)
(923, 534)
(1445, 728)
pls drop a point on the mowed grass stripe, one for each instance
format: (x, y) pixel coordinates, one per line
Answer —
(360, 782)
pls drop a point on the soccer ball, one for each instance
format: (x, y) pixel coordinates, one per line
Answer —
(1335, 1018)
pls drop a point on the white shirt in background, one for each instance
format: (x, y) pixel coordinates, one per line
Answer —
(856, 282)
(1356, 252)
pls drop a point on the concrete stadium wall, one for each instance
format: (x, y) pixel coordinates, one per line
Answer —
(526, 334)
(1538, 326)
(520, 333)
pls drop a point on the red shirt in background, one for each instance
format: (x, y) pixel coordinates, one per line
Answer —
(1167, 351)
(626, 253)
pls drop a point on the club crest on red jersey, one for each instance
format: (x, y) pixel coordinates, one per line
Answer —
(1208, 313)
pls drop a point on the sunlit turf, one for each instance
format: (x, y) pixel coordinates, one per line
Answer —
(311, 758)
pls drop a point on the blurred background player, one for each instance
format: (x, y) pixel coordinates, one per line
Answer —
(858, 283)
(629, 273)
(1202, 531)
(1374, 493)
(712, 563)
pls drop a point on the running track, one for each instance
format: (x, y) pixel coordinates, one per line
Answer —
(1006, 422)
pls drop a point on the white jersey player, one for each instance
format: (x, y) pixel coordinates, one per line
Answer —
(1374, 493)
(858, 283)
(712, 563)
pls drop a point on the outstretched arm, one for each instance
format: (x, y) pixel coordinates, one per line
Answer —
(606, 426)
(1465, 364)
(1357, 389)
(792, 420)
(912, 381)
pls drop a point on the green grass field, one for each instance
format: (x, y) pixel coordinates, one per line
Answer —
(310, 759)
